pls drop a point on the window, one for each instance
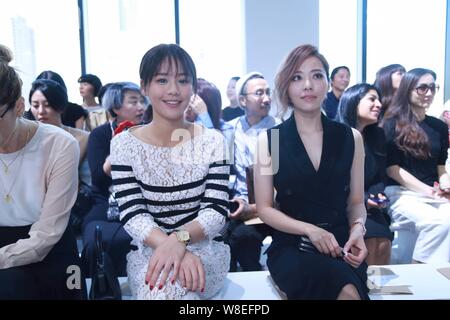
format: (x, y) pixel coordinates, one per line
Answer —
(119, 33)
(338, 29)
(213, 33)
(409, 32)
(43, 35)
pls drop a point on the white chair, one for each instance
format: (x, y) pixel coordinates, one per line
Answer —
(263, 258)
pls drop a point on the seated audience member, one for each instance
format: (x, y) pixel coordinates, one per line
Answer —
(197, 112)
(124, 102)
(90, 87)
(340, 78)
(445, 116)
(419, 186)
(37, 173)
(208, 98)
(234, 110)
(317, 169)
(73, 115)
(102, 91)
(48, 100)
(246, 240)
(359, 108)
(387, 81)
(172, 196)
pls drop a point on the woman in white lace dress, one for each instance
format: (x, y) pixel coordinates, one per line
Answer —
(170, 179)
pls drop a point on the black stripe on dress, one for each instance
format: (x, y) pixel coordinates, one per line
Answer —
(216, 201)
(121, 168)
(173, 213)
(217, 187)
(218, 164)
(217, 208)
(120, 181)
(175, 202)
(160, 189)
(132, 214)
(144, 201)
(178, 223)
(133, 202)
(181, 187)
(217, 176)
(127, 192)
(157, 215)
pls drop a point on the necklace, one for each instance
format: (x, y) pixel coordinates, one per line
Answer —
(6, 166)
(7, 193)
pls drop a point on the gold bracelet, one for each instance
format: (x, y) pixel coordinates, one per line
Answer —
(361, 224)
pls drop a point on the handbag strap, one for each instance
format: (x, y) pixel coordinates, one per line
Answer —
(99, 247)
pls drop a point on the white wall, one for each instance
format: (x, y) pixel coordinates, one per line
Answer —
(286, 23)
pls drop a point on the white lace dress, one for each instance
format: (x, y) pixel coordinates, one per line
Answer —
(165, 188)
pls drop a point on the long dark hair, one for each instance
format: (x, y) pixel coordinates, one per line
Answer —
(410, 137)
(153, 59)
(348, 113)
(55, 93)
(348, 104)
(52, 75)
(383, 81)
(211, 96)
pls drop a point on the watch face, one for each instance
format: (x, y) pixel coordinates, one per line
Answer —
(183, 236)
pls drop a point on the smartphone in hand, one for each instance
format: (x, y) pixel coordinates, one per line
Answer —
(383, 200)
(234, 205)
(379, 200)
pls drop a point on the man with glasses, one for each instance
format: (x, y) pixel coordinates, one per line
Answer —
(254, 96)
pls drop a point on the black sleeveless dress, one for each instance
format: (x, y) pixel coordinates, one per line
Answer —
(316, 197)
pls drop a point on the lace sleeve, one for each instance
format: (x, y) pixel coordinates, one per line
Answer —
(214, 204)
(134, 215)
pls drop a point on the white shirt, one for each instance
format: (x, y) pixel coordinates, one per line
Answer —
(245, 140)
(43, 183)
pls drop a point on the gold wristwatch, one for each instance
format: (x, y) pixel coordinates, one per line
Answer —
(183, 236)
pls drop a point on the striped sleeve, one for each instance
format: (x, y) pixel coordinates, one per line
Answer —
(214, 203)
(134, 215)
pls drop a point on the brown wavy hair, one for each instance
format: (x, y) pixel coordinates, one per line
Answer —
(383, 81)
(410, 137)
(283, 78)
(10, 82)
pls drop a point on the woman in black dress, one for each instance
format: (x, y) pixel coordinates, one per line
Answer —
(418, 184)
(360, 108)
(316, 167)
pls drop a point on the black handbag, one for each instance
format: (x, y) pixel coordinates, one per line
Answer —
(82, 206)
(105, 285)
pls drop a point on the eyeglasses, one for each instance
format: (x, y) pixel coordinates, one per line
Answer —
(260, 93)
(423, 89)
